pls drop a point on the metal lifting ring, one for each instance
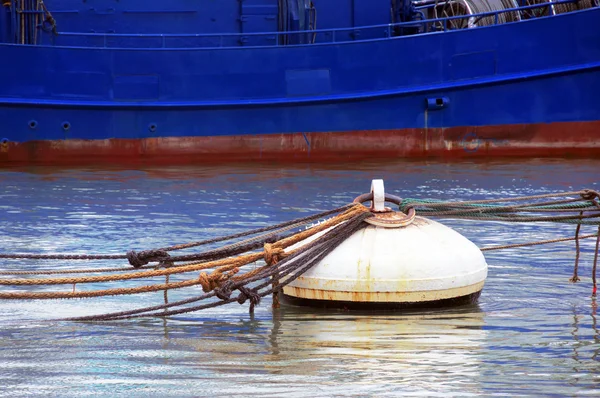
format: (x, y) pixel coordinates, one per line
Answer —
(369, 196)
(378, 197)
(384, 216)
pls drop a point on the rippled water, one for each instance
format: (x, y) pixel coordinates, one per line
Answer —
(532, 332)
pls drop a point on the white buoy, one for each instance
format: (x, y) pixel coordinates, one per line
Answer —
(399, 259)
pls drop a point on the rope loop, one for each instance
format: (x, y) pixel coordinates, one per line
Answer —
(589, 194)
(135, 260)
(246, 293)
(224, 292)
(142, 258)
(272, 255)
(205, 282)
(166, 261)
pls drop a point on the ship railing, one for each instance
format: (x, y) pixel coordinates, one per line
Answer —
(249, 39)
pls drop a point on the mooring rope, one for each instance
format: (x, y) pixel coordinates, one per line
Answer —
(219, 272)
(536, 243)
(236, 248)
(224, 262)
(289, 269)
(281, 260)
(158, 254)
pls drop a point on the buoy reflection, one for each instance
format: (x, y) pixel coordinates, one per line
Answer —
(425, 350)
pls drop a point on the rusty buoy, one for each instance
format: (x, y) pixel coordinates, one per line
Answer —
(399, 260)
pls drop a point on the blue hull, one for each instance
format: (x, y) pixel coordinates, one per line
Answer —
(537, 72)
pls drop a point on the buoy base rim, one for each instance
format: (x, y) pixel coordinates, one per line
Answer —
(382, 297)
(468, 299)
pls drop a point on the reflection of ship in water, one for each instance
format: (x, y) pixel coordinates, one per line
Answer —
(426, 350)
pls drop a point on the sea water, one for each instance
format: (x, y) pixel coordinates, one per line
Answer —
(531, 333)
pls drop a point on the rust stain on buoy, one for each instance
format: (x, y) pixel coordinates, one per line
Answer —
(375, 296)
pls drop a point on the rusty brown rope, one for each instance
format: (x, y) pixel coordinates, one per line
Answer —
(219, 271)
(235, 262)
(289, 269)
(139, 259)
(224, 270)
(232, 249)
(96, 293)
(273, 256)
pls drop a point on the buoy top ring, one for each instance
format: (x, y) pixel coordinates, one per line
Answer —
(385, 216)
(378, 191)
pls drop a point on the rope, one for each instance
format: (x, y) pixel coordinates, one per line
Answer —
(142, 258)
(540, 242)
(585, 208)
(95, 293)
(240, 247)
(294, 266)
(219, 274)
(587, 194)
(238, 261)
(226, 268)
(271, 259)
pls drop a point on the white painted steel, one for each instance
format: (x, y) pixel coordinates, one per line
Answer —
(378, 191)
(421, 262)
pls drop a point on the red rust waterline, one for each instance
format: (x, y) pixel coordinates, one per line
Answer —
(571, 139)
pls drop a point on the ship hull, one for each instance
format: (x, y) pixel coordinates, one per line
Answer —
(494, 91)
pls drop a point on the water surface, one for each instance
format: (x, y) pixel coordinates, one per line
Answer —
(532, 332)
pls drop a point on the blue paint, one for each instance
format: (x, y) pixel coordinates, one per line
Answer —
(308, 82)
(258, 67)
(135, 87)
(475, 64)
